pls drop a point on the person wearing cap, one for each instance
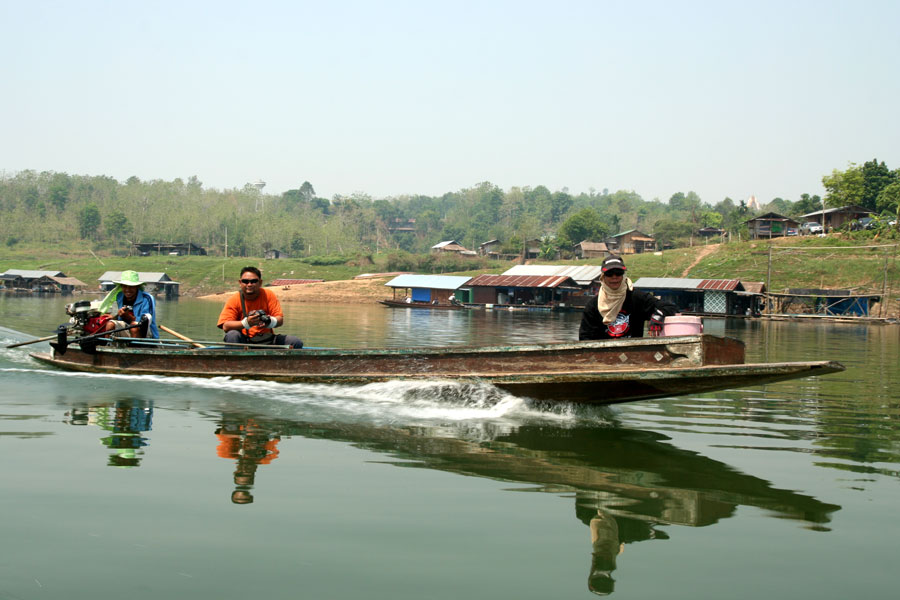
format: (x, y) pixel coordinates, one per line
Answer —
(250, 315)
(132, 305)
(619, 310)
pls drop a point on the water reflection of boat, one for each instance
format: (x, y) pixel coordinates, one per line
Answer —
(625, 482)
(603, 372)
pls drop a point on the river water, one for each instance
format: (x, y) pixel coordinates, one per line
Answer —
(153, 487)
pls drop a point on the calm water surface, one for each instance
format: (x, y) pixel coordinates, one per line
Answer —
(151, 487)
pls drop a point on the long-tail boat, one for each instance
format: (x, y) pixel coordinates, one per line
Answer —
(600, 372)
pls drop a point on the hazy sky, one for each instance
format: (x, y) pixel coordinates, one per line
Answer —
(423, 97)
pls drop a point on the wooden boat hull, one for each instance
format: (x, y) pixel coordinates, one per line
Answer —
(427, 305)
(604, 372)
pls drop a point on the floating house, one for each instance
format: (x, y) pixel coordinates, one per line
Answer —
(56, 284)
(587, 278)
(704, 296)
(158, 284)
(544, 291)
(823, 302)
(433, 289)
(39, 281)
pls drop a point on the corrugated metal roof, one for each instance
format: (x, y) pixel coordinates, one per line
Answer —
(668, 283)
(726, 285)
(432, 282)
(68, 281)
(582, 274)
(144, 277)
(294, 281)
(28, 274)
(528, 281)
(676, 283)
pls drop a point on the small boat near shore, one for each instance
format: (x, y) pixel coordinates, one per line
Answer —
(426, 305)
(599, 372)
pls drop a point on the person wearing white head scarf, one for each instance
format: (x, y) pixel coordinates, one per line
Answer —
(619, 310)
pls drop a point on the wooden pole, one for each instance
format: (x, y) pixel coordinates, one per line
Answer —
(181, 337)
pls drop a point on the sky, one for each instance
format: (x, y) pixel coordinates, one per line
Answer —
(389, 98)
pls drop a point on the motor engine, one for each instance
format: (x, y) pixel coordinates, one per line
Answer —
(80, 314)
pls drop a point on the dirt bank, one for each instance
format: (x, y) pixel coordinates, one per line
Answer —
(349, 291)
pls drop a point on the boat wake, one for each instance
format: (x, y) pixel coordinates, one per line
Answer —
(429, 402)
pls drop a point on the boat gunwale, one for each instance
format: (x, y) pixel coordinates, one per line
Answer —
(181, 348)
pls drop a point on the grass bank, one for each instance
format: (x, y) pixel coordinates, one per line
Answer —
(861, 263)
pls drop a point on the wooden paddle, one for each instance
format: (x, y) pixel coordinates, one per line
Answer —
(43, 339)
(181, 337)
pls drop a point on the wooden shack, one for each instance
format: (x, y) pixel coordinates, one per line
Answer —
(632, 241)
(588, 249)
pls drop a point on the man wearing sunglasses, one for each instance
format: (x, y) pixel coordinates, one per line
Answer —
(619, 310)
(250, 315)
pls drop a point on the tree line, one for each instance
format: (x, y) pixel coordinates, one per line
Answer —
(55, 208)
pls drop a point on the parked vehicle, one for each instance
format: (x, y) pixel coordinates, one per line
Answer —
(811, 228)
(861, 224)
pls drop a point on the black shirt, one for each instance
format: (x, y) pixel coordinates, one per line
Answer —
(636, 310)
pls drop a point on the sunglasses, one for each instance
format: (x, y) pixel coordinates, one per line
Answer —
(249, 281)
(614, 273)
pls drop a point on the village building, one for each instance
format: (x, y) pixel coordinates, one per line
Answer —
(176, 249)
(531, 249)
(39, 281)
(537, 291)
(588, 249)
(631, 242)
(272, 253)
(398, 225)
(286, 282)
(587, 278)
(708, 233)
(431, 289)
(837, 218)
(158, 284)
(55, 284)
(715, 297)
(772, 225)
(452, 246)
(490, 248)
(823, 302)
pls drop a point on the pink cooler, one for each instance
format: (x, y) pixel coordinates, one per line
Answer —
(682, 325)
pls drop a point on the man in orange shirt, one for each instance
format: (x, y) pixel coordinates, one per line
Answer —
(250, 315)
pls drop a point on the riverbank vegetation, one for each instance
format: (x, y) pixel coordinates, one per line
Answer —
(60, 210)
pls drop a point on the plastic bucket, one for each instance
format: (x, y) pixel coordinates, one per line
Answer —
(682, 325)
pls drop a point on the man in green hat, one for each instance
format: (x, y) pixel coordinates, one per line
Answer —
(132, 304)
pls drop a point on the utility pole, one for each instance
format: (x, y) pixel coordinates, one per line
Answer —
(769, 282)
(884, 277)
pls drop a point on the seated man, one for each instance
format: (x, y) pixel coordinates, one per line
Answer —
(129, 304)
(250, 315)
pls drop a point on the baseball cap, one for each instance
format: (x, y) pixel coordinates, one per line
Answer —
(613, 262)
